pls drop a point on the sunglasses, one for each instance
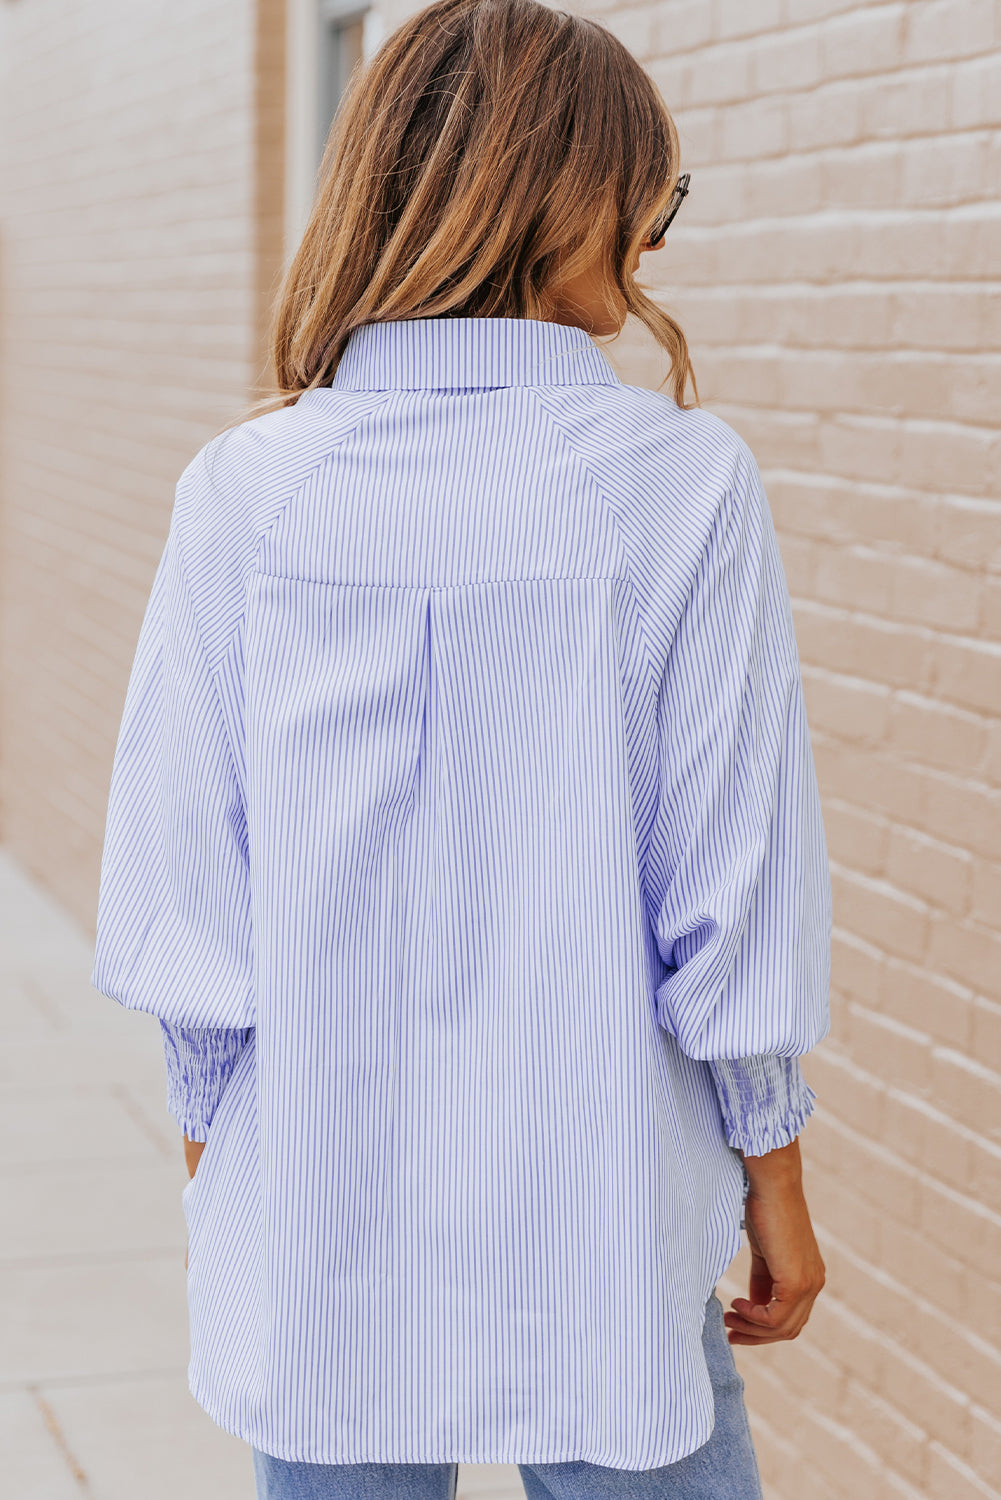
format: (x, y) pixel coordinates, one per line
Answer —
(677, 198)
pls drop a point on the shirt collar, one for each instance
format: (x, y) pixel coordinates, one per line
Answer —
(465, 353)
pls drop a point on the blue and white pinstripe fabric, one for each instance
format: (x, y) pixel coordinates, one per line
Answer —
(464, 833)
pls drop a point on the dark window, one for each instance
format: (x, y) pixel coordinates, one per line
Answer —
(342, 26)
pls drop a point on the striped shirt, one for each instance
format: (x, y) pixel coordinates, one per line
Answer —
(464, 835)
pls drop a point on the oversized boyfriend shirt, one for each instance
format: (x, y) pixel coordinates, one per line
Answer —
(464, 835)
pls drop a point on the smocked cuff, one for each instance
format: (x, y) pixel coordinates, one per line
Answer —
(199, 1064)
(765, 1100)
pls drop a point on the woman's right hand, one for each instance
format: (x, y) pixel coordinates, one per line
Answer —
(787, 1271)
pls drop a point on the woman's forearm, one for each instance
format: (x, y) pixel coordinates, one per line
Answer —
(781, 1167)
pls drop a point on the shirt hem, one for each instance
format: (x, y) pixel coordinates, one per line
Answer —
(466, 1456)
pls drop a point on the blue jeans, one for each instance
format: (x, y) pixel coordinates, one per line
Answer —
(724, 1468)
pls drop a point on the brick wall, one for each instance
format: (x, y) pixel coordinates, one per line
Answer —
(836, 267)
(139, 234)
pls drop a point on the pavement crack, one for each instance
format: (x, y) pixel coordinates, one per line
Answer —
(59, 1438)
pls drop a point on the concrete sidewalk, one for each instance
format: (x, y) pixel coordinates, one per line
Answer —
(93, 1320)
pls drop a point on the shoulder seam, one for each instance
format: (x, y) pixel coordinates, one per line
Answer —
(260, 539)
(610, 513)
(215, 670)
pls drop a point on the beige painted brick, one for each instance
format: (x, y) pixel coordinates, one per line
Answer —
(936, 317)
(800, 11)
(968, 953)
(985, 1446)
(807, 1369)
(859, 578)
(874, 909)
(985, 899)
(846, 707)
(949, 1478)
(754, 130)
(838, 1451)
(983, 1176)
(822, 380)
(927, 1001)
(863, 646)
(866, 448)
(963, 811)
(857, 966)
(976, 92)
(968, 1091)
(854, 835)
(898, 1052)
(936, 734)
(747, 376)
(967, 672)
(635, 28)
(769, 1375)
(895, 788)
(935, 29)
(832, 1201)
(932, 1272)
(850, 317)
(986, 1301)
(848, 1339)
(940, 455)
(931, 593)
(877, 1296)
(944, 171)
(718, 75)
(894, 1486)
(885, 515)
(828, 115)
(736, 18)
(787, 61)
(963, 1356)
(966, 387)
(943, 1149)
(682, 25)
(799, 558)
(989, 617)
(860, 1094)
(917, 102)
(866, 40)
(698, 134)
(918, 1390)
(898, 1441)
(985, 1045)
(964, 1231)
(970, 244)
(936, 873)
(992, 760)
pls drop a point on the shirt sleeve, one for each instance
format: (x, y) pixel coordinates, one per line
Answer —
(742, 910)
(173, 920)
(765, 1100)
(199, 1064)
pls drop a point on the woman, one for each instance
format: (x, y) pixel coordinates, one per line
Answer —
(463, 830)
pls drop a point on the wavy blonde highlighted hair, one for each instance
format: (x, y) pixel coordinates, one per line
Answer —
(490, 150)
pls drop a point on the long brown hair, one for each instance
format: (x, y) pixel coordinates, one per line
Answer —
(489, 150)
